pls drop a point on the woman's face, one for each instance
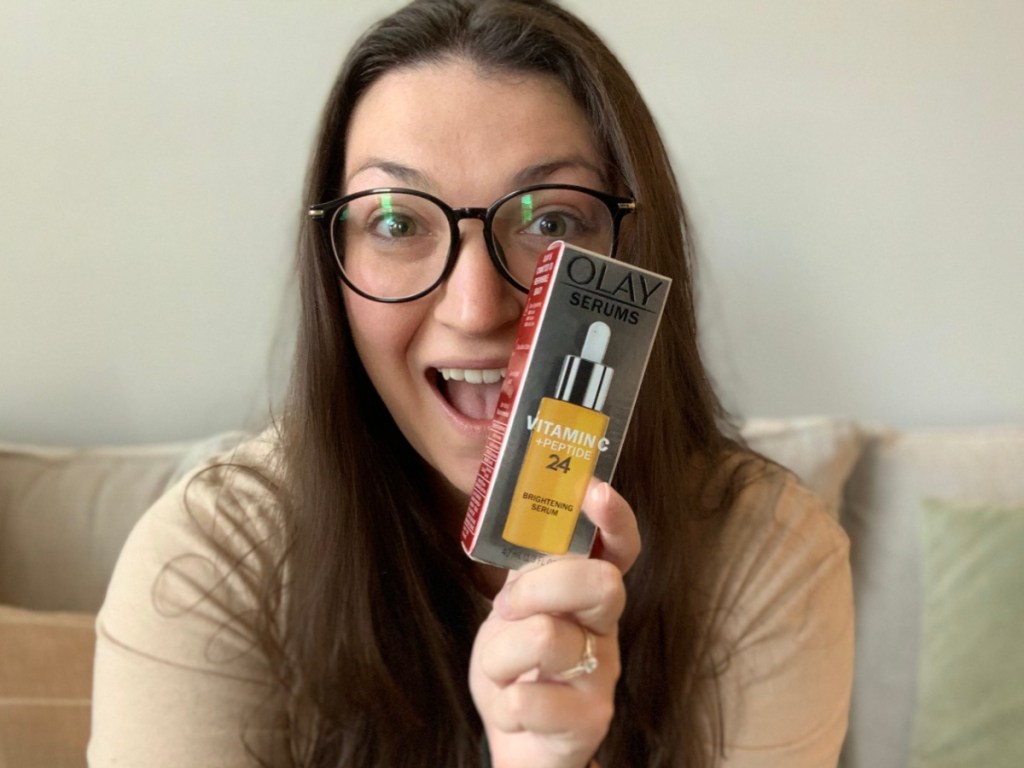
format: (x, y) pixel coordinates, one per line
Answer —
(468, 139)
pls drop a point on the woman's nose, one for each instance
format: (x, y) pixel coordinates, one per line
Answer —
(476, 299)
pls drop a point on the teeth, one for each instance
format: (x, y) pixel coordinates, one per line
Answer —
(474, 375)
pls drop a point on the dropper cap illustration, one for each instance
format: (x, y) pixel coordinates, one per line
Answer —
(584, 379)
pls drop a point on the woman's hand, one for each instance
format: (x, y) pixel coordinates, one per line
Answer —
(538, 629)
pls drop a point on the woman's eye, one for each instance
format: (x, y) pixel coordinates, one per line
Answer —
(393, 226)
(555, 225)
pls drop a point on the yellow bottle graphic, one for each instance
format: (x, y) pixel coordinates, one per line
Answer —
(566, 437)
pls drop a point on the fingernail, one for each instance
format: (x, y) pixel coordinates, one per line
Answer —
(599, 494)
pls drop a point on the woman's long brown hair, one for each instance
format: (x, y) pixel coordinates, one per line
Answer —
(381, 606)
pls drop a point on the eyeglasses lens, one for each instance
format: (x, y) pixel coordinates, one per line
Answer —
(524, 226)
(391, 245)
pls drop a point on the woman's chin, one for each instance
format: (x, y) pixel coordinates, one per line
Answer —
(463, 478)
(452, 488)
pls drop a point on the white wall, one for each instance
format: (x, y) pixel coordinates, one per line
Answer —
(855, 175)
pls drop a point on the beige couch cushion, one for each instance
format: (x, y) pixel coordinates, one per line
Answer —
(45, 685)
(820, 450)
(881, 513)
(66, 512)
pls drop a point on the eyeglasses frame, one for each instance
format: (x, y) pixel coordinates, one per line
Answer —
(618, 207)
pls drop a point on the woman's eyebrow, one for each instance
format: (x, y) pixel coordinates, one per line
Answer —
(536, 174)
(403, 173)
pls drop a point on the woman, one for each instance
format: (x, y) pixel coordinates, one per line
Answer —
(307, 602)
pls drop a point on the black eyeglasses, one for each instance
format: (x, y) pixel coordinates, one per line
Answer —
(394, 245)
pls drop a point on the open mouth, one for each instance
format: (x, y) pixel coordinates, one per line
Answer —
(473, 392)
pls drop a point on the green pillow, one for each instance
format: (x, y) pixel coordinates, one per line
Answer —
(970, 701)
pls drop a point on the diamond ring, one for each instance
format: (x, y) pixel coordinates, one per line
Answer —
(587, 663)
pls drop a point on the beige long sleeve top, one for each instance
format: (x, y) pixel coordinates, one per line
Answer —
(180, 679)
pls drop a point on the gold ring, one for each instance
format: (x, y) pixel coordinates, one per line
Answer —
(587, 663)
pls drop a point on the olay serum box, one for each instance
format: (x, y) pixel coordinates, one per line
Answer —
(579, 357)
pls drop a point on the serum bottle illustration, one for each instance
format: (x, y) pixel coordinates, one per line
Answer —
(567, 435)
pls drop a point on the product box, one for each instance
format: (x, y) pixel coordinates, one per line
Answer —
(579, 357)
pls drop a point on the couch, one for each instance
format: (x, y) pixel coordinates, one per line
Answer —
(935, 519)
